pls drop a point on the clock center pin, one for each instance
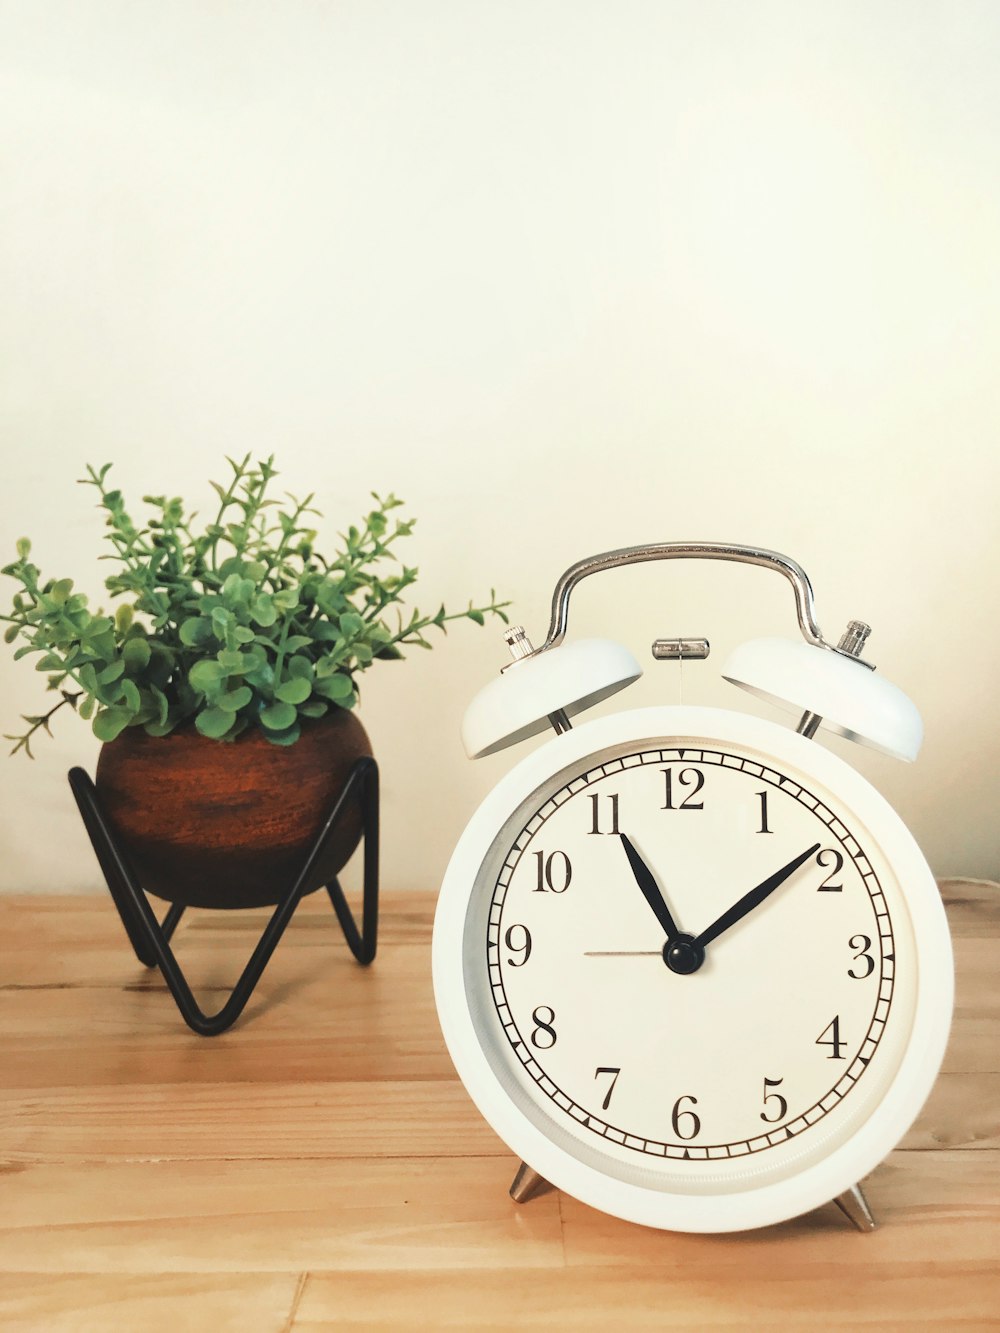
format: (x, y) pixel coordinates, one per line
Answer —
(683, 955)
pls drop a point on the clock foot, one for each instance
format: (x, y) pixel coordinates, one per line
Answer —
(527, 1184)
(853, 1204)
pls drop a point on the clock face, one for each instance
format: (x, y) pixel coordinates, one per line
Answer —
(690, 964)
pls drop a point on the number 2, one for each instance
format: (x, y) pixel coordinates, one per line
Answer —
(838, 865)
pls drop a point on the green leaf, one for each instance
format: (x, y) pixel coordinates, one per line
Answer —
(262, 611)
(196, 632)
(23, 547)
(136, 653)
(261, 677)
(86, 707)
(60, 591)
(351, 624)
(111, 722)
(286, 737)
(232, 589)
(234, 700)
(11, 633)
(337, 687)
(326, 666)
(300, 667)
(238, 591)
(130, 696)
(232, 659)
(324, 632)
(278, 717)
(314, 708)
(162, 704)
(293, 691)
(206, 676)
(213, 722)
(112, 672)
(96, 627)
(163, 728)
(123, 618)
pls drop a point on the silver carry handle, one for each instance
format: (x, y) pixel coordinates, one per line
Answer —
(634, 555)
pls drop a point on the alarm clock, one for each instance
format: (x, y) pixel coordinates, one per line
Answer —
(689, 964)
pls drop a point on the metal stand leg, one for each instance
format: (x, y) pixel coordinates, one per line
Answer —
(527, 1184)
(151, 940)
(853, 1204)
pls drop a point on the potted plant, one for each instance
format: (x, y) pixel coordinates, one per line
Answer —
(223, 686)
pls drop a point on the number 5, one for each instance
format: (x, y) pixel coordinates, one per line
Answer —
(781, 1108)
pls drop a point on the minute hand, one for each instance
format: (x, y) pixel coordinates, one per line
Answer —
(754, 898)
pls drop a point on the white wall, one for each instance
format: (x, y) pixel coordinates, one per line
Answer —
(564, 275)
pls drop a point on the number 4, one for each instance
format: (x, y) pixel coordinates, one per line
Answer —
(834, 1041)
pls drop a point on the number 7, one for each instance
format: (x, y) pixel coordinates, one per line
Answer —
(604, 1069)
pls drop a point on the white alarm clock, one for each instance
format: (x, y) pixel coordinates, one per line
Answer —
(690, 966)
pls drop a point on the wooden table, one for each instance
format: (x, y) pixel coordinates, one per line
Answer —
(320, 1163)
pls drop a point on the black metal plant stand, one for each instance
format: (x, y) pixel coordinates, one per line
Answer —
(151, 938)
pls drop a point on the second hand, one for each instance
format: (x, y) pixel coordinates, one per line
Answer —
(623, 953)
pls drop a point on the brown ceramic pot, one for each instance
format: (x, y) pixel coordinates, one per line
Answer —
(214, 824)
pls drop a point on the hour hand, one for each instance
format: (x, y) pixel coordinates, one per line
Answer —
(650, 890)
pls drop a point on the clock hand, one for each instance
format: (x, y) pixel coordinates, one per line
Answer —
(650, 889)
(754, 898)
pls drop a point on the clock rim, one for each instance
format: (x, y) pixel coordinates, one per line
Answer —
(745, 1208)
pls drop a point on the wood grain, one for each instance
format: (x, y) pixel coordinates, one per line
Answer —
(319, 1165)
(194, 1302)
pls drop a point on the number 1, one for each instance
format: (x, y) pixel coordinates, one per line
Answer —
(763, 813)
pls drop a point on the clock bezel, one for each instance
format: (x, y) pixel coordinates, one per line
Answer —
(742, 1208)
